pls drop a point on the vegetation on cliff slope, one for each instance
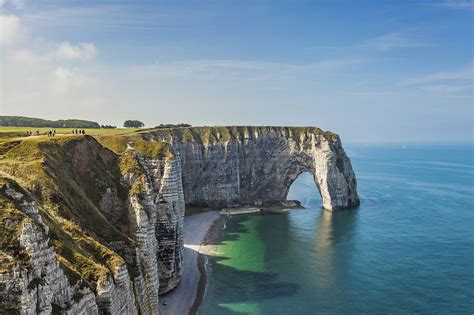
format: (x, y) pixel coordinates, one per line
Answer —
(12, 221)
(68, 178)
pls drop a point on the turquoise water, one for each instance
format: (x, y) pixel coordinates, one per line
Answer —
(409, 247)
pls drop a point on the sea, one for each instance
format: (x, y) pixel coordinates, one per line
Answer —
(408, 248)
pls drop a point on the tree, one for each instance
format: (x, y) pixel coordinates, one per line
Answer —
(20, 121)
(133, 124)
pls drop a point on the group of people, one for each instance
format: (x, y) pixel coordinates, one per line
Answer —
(30, 133)
(52, 132)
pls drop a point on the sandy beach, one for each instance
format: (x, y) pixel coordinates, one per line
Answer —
(187, 296)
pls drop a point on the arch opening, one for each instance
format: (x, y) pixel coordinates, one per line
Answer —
(305, 191)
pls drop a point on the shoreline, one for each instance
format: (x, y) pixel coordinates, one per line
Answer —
(207, 248)
(200, 234)
(200, 231)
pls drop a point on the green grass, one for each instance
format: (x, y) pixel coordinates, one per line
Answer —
(21, 131)
(214, 134)
(142, 143)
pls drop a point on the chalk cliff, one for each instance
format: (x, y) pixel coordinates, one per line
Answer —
(86, 231)
(95, 225)
(247, 166)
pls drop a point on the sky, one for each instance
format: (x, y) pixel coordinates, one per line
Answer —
(371, 71)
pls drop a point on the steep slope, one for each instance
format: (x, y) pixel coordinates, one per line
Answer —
(98, 217)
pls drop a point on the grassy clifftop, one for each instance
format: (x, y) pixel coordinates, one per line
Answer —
(118, 138)
(215, 134)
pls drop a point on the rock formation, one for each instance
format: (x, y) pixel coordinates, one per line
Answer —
(255, 166)
(89, 231)
(92, 226)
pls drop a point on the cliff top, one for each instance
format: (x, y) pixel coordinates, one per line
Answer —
(213, 134)
(151, 142)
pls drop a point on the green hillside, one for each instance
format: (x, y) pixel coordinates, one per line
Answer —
(20, 121)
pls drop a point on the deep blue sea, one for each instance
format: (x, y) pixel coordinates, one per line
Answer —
(409, 247)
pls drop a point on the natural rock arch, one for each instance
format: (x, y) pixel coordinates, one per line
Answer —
(256, 167)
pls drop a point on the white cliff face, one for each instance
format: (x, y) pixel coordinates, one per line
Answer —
(170, 225)
(159, 216)
(116, 295)
(257, 169)
(39, 284)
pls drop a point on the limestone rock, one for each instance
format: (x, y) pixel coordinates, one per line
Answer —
(256, 166)
(38, 284)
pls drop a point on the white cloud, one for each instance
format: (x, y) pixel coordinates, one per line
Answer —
(15, 3)
(62, 52)
(453, 83)
(393, 40)
(463, 74)
(11, 30)
(447, 88)
(457, 5)
(231, 69)
(64, 74)
(24, 47)
(26, 56)
(83, 51)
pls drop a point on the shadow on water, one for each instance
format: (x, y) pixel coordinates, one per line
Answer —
(245, 287)
(236, 288)
(238, 284)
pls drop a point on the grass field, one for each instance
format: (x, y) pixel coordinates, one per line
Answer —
(94, 132)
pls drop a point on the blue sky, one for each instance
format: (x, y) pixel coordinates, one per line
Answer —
(383, 71)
